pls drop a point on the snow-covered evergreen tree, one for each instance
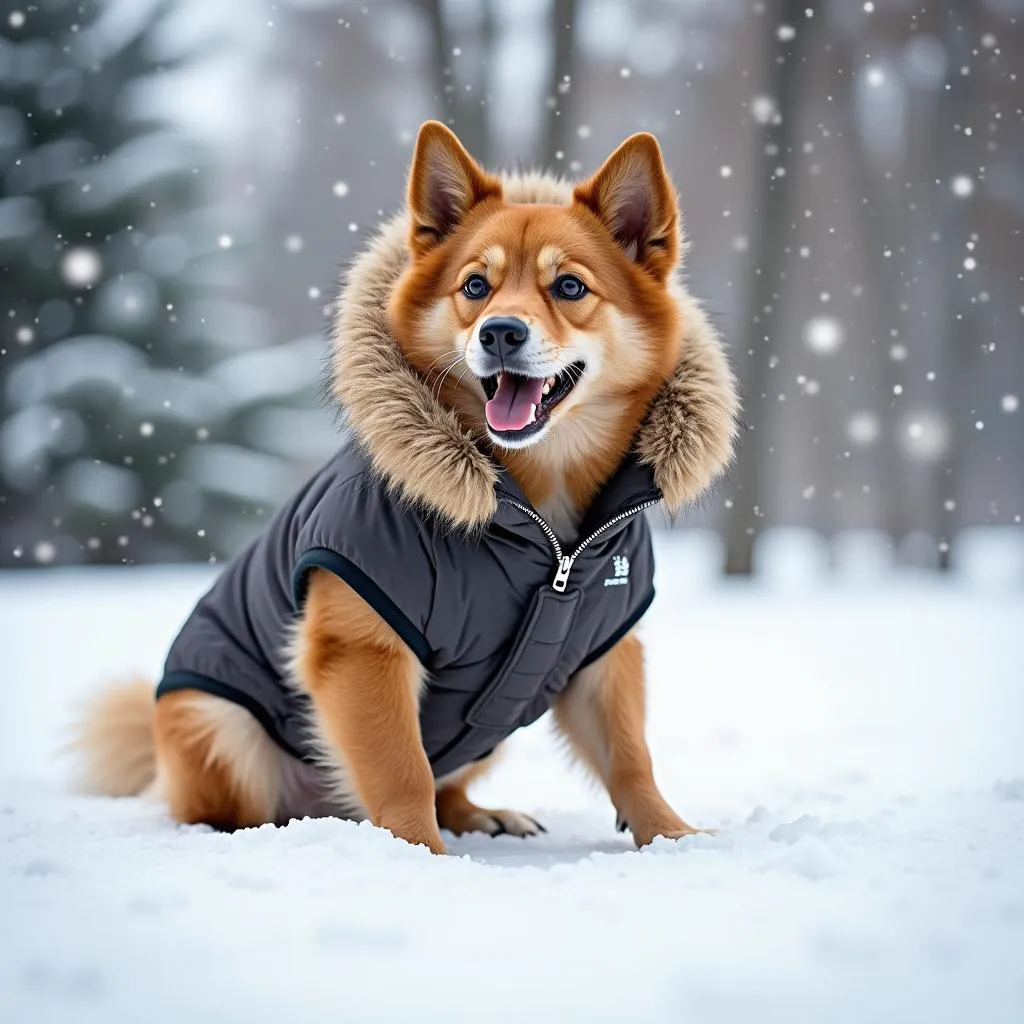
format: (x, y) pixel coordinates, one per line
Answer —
(112, 310)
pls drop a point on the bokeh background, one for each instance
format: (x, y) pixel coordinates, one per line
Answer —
(182, 181)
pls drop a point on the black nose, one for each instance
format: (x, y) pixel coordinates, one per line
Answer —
(502, 335)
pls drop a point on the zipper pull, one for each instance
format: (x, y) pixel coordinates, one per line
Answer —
(562, 576)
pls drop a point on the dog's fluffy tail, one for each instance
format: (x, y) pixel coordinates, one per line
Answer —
(113, 743)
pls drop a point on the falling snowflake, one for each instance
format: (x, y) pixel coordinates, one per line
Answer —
(725, 171)
(1010, 403)
(340, 189)
(763, 109)
(823, 334)
(863, 428)
(962, 186)
(875, 77)
(225, 241)
(924, 436)
(16, 19)
(25, 335)
(583, 131)
(294, 243)
(625, 72)
(45, 552)
(785, 33)
(81, 267)
(146, 429)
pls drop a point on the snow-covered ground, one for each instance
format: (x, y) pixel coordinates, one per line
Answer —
(861, 746)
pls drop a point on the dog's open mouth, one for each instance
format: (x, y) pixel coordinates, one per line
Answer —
(519, 406)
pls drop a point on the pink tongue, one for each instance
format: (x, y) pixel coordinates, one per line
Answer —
(509, 409)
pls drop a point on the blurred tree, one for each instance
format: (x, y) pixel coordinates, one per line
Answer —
(962, 337)
(463, 105)
(564, 16)
(770, 226)
(881, 216)
(110, 297)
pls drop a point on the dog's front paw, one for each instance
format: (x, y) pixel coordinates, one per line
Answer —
(493, 823)
(645, 835)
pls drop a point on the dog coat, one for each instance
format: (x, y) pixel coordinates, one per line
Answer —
(499, 620)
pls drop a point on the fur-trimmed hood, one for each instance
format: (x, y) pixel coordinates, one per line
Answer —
(424, 454)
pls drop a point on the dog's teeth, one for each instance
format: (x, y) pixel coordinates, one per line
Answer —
(547, 389)
(551, 382)
(533, 413)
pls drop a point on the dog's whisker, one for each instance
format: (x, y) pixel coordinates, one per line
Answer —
(444, 355)
(458, 383)
(454, 362)
(448, 370)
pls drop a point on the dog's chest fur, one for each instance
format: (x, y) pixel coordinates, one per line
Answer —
(561, 514)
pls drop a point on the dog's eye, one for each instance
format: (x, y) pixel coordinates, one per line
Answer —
(569, 287)
(476, 286)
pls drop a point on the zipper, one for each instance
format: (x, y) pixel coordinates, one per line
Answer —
(565, 562)
(552, 539)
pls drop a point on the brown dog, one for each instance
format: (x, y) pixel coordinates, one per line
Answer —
(511, 355)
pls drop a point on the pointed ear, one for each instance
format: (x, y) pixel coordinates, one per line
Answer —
(445, 183)
(633, 197)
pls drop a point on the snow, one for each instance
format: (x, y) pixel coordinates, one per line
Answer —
(823, 334)
(859, 743)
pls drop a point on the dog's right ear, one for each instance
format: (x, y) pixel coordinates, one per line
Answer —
(445, 183)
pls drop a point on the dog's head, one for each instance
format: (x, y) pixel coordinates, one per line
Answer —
(530, 317)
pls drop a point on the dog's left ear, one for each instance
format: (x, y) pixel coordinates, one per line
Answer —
(445, 183)
(633, 197)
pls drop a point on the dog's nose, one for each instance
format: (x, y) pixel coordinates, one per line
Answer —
(502, 335)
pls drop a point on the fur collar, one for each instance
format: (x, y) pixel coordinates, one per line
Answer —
(418, 446)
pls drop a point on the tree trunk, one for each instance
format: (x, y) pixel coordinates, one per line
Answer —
(464, 112)
(769, 228)
(960, 321)
(558, 124)
(879, 219)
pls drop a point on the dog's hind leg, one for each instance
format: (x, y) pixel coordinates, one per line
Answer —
(215, 764)
(458, 814)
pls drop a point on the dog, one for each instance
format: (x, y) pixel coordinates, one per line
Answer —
(522, 375)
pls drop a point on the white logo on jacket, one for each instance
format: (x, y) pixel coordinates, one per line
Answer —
(620, 566)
